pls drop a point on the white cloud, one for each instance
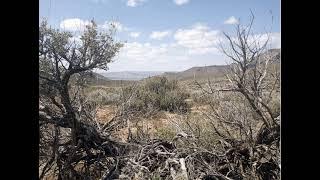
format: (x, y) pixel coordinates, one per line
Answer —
(74, 24)
(134, 34)
(273, 42)
(146, 56)
(118, 26)
(179, 55)
(231, 20)
(257, 40)
(100, 1)
(200, 39)
(192, 46)
(138, 56)
(79, 25)
(142, 51)
(159, 34)
(130, 3)
(181, 2)
(134, 3)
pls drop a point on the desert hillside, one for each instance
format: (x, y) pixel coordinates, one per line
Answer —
(209, 122)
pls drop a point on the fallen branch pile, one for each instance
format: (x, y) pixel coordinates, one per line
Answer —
(234, 160)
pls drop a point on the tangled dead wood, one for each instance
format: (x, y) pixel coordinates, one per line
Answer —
(165, 160)
(233, 160)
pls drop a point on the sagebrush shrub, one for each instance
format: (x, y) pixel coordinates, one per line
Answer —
(102, 97)
(157, 93)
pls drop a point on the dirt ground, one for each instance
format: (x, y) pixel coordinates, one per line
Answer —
(150, 125)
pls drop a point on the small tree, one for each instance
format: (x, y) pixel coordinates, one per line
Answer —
(61, 57)
(245, 118)
(250, 72)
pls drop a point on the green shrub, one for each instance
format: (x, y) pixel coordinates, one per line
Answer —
(102, 97)
(157, 93)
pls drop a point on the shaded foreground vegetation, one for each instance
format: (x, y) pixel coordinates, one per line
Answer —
(226, 129)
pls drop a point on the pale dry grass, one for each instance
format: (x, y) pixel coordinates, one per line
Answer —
(106, 113)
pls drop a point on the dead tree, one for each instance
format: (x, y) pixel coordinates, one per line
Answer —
(60, 60)
(250, 84)
(249, 73)
(249, 70)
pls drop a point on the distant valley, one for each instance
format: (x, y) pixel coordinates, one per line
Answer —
(131, 75)
(194, 72)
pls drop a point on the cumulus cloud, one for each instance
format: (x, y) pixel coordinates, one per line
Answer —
(159, 34)
(177, 56)
(274, 39)
(74, 24)
(231, 20)
(180, 2)
(199, 39)
(100, 1)
(142, 51)
(134, 34)
(134, 3)
(136, 56)
(118, 26)
(77, 25)
(191, 46)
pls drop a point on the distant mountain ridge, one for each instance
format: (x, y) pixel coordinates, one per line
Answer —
(202, 72)
(215, 70)
(131, 75)
(92, 78)
(198, 72)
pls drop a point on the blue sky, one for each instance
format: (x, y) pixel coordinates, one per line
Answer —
(163, 35)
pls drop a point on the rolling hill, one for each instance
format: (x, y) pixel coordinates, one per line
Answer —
(130, 75)
(91, 79)
(198, 72)
(215, 71)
